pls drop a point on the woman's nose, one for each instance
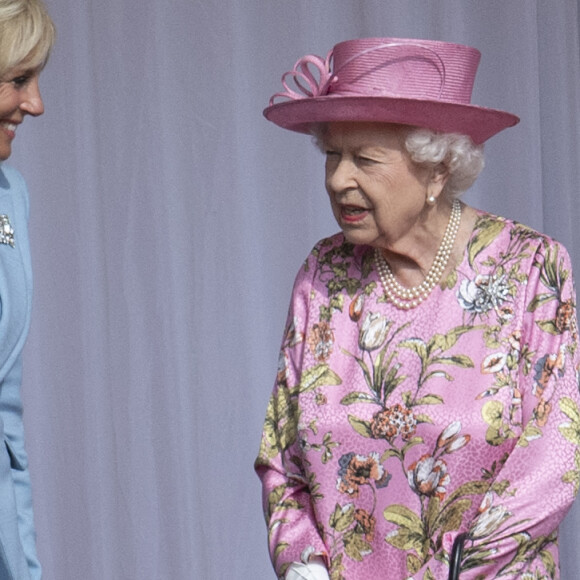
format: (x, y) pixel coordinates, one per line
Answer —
(32, 103)
(340, 175)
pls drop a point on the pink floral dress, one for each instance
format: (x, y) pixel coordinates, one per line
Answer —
(390, 432)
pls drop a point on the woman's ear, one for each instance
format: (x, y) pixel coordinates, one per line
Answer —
(439, 176)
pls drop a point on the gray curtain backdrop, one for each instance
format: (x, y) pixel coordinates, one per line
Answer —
(168, 222)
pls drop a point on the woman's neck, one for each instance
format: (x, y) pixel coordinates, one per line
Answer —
(410, 259)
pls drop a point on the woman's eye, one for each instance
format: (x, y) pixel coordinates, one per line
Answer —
(21, 80)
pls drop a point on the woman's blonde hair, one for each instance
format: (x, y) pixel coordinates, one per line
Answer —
(26, 34)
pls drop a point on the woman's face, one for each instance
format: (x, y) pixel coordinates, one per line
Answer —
(378, 195)
(19, 96)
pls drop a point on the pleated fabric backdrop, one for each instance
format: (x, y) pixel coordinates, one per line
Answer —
(168, 222)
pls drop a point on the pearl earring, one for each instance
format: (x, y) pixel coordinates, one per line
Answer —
(431, 200)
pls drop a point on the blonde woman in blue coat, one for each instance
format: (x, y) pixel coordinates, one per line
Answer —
(26, 37)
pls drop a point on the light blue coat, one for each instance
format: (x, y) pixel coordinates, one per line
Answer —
(18, 559)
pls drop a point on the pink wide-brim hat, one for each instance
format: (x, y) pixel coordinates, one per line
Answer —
(424, 83)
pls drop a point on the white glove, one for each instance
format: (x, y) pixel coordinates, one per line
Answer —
(314, 570)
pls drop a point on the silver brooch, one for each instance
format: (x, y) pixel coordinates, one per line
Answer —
(6, 231)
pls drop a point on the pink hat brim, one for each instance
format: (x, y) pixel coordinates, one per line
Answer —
(479, 123)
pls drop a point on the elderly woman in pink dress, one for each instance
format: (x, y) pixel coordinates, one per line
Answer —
(425, 420)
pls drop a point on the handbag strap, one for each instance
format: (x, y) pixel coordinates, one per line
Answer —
(456, 555)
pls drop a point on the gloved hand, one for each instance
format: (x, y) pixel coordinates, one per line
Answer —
(314, 570)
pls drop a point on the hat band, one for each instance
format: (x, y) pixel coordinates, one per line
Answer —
(321, 81)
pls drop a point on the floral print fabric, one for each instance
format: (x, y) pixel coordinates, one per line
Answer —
(390, 432)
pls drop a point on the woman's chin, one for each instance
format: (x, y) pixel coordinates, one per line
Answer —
(357, 237)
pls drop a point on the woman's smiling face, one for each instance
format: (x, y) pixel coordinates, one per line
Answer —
(376, 192)
(19, 96)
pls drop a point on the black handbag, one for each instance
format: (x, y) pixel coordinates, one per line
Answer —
(456, 555)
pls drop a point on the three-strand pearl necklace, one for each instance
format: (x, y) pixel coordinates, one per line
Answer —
(407, 298)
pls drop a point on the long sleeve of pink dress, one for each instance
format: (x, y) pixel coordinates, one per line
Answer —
(390, 432)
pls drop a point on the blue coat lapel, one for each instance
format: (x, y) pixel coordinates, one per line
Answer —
(15, 284)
